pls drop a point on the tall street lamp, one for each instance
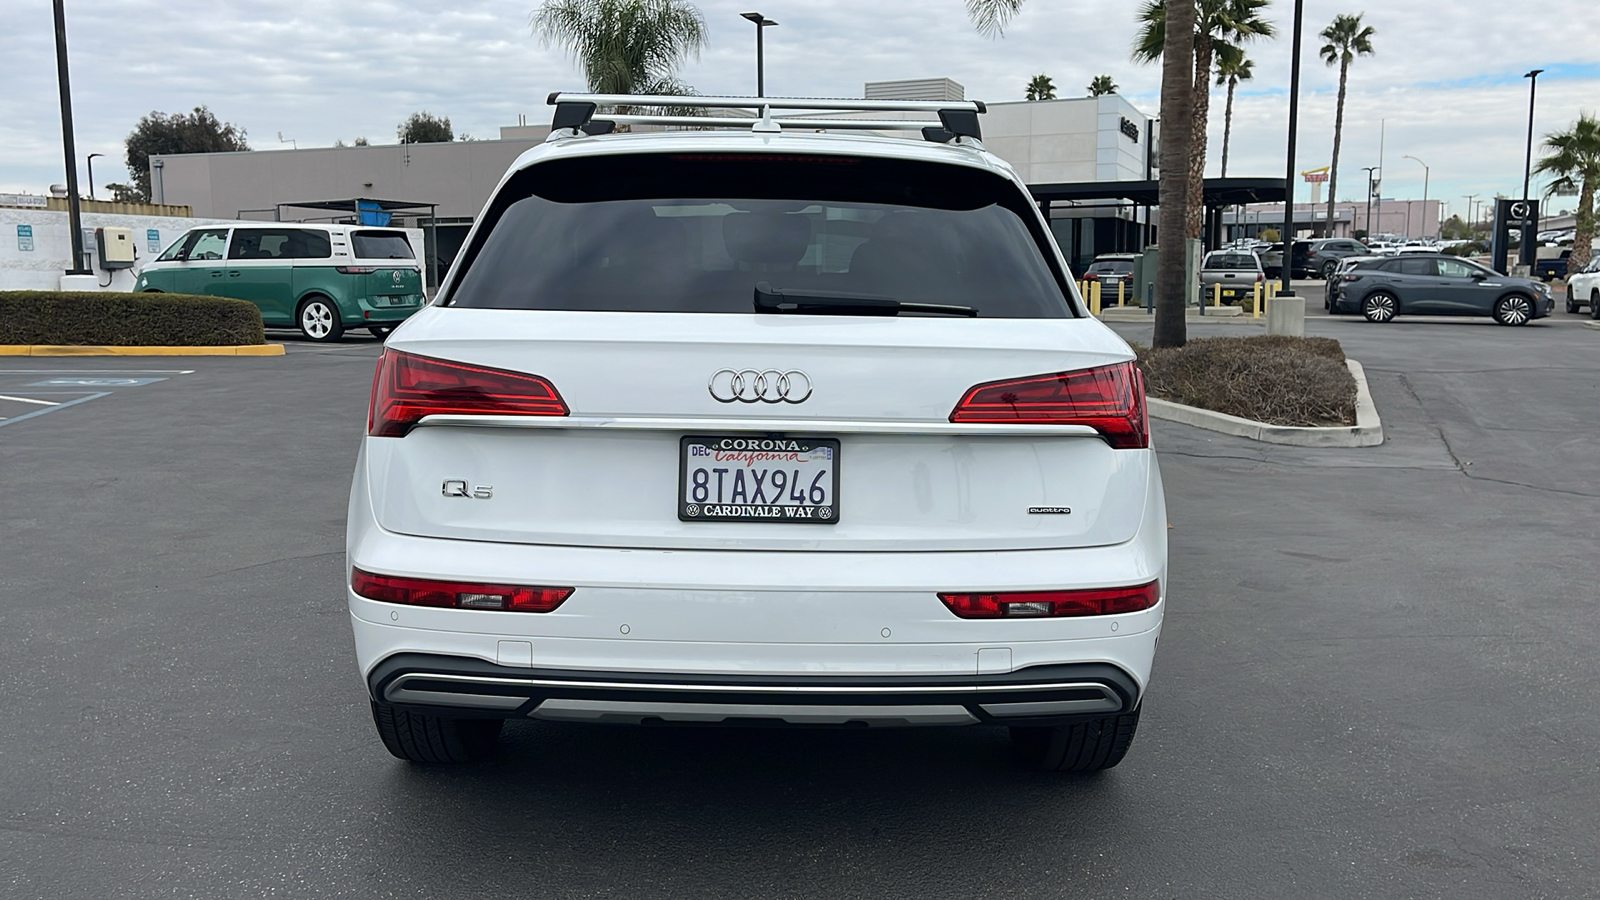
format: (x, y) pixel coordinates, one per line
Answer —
(1425, 172)
(1288, 174)
(74, 210)
(1526, 251)
(1369, 170)
(89, 161)
(762, 23)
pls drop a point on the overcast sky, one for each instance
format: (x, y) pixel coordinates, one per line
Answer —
(1447, 76)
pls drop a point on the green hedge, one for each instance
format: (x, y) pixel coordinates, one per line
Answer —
(127, 320)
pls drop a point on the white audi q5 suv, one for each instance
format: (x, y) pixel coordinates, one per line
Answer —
(758, 425)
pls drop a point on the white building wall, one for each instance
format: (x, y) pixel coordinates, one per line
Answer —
(41, 268)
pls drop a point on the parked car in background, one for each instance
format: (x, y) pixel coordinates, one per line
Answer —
(1233, 273)
(1323, 255)
(1439, 286)
(321, 279)
(1272, 260)
(1112, 269)
(1583, 289)
(1552, 268)
(1344, 266)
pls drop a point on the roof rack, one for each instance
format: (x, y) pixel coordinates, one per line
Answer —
(574, 114)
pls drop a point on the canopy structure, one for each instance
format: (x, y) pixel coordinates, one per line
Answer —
(363, 210)
(1219, 193)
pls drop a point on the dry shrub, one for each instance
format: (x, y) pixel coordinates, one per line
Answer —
(1276, 379)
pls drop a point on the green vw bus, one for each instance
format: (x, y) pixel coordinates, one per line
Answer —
(321, 279)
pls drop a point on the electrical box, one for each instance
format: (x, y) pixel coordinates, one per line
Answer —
(116, 247)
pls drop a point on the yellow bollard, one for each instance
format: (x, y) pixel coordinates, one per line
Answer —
(1094, 297)
(1216, 294)
(1122, 284)
(1255, 302)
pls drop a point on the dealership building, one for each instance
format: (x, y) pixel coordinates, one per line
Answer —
(1081, 141)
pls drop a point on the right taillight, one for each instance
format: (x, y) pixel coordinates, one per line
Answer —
(457, 594)
(1109, 399)
(1054, 604)
(408, 387)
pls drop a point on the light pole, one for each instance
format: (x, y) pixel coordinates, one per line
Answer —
(1525, 252)
(1425, 173)
(762, 23)
(89, 161)
(1369, 170)
(1287, 268)
(74, 210)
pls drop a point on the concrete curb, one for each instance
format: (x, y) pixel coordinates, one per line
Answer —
(92, 350)
(1367, 432)
(1592, 324)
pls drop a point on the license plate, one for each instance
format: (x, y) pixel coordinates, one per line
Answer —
(728, 478)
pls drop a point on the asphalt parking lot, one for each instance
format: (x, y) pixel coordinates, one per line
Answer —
(1377, 677)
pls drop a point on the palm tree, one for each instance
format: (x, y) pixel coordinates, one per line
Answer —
(1041, 87)
(1232, 68)
(1177, 99)
(1220, 27)
(1573, 157)
(1346, 39)
(625, 46)
(1102, 85)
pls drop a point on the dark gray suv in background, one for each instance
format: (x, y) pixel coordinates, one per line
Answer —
(1439, 286)
(1323, 256)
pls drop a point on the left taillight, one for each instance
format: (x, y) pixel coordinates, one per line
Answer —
(457, 594)
(1054, 604)
(1109, 399)
(408, 387)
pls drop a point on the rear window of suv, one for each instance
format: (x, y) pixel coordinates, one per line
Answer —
(699, 232)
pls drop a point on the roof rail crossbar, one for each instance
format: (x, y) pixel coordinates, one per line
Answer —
(755, 103)
(957, 118)
(799, 124)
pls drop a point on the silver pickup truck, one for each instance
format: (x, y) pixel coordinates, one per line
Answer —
(1238, 272)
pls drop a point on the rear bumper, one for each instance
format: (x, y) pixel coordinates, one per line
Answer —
(1032, 696)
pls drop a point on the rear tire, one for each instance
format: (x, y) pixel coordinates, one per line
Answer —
(1328, 268)
(318, 318)
(1092, 745)
(1594, 305)
(421, 738)
(1513, 310)
(1380, 307)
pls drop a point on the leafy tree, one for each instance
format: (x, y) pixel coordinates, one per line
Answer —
(1232, 68)
(162, 133)
(1102, 85)
(1177, 105)
(625, 46)
(1221, 27)
(1573, 157)
(1346, 39)
(359, 142)
(425, 128)
(1041, 87)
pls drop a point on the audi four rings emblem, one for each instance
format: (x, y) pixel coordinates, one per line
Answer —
(751, 386)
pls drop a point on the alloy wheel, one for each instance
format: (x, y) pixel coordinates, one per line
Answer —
(316, 320)
(1513, 310)
(1379, 307)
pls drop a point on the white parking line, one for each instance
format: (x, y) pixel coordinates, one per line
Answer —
(29, 400)
(103, 372)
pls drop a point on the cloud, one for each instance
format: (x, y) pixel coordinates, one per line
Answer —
(1446, 80)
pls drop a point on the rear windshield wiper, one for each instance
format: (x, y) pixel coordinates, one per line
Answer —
(771, 300)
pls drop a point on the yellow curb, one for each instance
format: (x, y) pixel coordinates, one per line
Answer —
(92, 350)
